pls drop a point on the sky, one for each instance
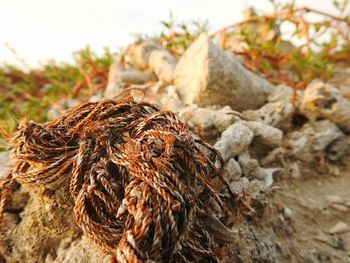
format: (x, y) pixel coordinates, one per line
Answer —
(40, 30)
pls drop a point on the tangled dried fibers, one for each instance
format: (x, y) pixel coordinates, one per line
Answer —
(141, 182)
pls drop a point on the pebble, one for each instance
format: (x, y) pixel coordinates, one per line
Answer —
(340, 207)
(339, 227)
(287, 213)
(339, 244)
(294, 171)
(289, 231)
(319, 184)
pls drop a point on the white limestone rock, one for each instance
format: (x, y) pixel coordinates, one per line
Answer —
(120, 76)
(209, 118)
(322, 139)
(278, 111)
(232, 170)
(321, 100)
(234, 140)
(265, 134)
(147, 54)
(207, 75)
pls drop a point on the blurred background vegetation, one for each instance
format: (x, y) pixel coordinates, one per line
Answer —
(293, 45)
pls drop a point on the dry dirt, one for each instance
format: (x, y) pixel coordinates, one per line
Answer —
(305, 237)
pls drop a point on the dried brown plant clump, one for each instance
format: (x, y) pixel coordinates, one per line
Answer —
(140, 180)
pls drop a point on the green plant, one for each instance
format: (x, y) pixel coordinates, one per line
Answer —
(321, 44)
(28, 94)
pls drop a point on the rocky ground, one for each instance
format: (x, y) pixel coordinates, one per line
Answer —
(288, 153)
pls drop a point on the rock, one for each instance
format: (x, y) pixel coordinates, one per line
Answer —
(69, 103)
(53, 113)
(337, 149)
(321, 237)
(164, 96)
(234, 140)
(80, 250)
(287, 213)
(5, 162)
(232, 170)
(138, 54)
(5, 158)
(148, 54)
(96, 97)
(9, 222)
(207, 75)
(341, 78)
(19, 200)
(265, 134)
(163, 65)
(45, 222)
(208, 118)
(334, 242)
(169, 99)
(315, 140)
(132, 76)
(268, 175)
(281, 93)
(326, 133)
(112, 90)
(277, 114)
(338, 228)
(278, 111)
(252, 169)
(119, 76)
(220, 232)
(249, 165)
(325, 101)
(294, 171)
(274, 155)
(339, 243)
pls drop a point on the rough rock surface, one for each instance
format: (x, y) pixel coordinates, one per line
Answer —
(265, 134)
(5, 162)
(139, 52)
(207, 75)
(322, 100)
(208, 118)
(318, 140)
(234, 140)
(147, 54)
(232, 170)
(341, 79)
(48, 215)
(278, 111)
(163, 64)
(120, 76)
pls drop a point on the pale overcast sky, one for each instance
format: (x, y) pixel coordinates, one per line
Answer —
(42, 29)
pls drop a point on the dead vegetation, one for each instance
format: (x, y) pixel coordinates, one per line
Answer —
(141, 181)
